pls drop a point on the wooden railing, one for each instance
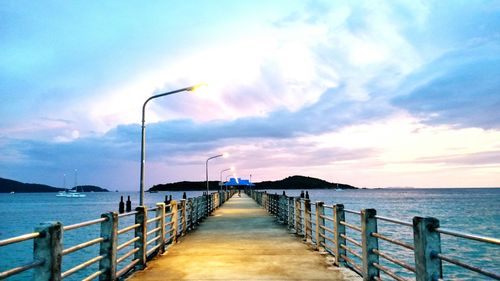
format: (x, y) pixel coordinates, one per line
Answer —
(354, 239)
(124, 245)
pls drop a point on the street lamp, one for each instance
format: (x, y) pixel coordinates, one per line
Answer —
(143, 133)
(234, 176)
(232, 169)
(206, 166)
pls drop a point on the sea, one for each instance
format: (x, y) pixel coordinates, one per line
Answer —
(470, 210)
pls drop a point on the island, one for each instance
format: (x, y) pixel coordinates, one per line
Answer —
(293, 182)
(9, 186)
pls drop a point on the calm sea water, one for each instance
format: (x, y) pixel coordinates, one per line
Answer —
(470, 210)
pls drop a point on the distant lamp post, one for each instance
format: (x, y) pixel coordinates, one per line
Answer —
(206, 166)
(232, 169)
(234, 176)
(143, 133)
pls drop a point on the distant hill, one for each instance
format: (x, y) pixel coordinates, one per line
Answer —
(186, 186)
(7, 186)
(90, 188)
(301, 182)
(294, 182)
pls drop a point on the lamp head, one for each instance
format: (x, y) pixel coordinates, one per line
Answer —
(232, 169)
(197, 87)
(225, 154)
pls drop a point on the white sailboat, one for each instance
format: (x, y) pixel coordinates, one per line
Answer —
(71, 193)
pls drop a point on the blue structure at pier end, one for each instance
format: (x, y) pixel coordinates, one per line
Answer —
(238, 182)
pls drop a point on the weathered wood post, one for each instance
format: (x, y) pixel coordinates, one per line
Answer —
(307, 219)
(211, 203)
(207, 205)
(298, 223)
(198, 209)
(320, 224)
(189, 212)
(192, 213)
(370, 243)
(109, 232)
(291, 214)
(141, 218)
(284, 208)
(338, 216)
(184, 217)
(264, 201)
(160, 212)
(427, 243)
(47, 247)
(279, 203)
(175, 220)
(277, 206)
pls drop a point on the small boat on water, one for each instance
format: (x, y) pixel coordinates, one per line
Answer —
(71, 193)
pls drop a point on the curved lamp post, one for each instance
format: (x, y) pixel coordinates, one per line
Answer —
(206, 167)
(232, 169)
(234, 176)
(143, 138)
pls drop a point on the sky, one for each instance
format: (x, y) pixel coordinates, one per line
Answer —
(367, 93)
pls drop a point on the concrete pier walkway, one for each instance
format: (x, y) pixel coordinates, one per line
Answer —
(241, 241)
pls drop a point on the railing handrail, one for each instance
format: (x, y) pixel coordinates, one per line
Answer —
(19, 238)
(83, 224)
(468, 236)
(298, 212)
(156, 238)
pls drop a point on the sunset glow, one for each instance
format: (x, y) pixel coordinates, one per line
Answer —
(369, 94)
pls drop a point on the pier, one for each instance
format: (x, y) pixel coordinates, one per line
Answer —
(241, 241)
(258, 236)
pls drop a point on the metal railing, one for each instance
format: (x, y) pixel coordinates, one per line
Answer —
(122, 249)
(375, 247)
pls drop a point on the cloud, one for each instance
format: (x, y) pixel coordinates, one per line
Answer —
(303, 70)
(460, 88)
(329, 113)
(472, 159)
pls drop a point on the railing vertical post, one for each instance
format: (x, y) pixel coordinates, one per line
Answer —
(284, 210)
(174, 218)
(141, 218)
(160, 212)
(275, 205)
(298, 224)
(207, 205)
(281, 218)
(192, 212)
(184, 216)
(307, 219)
(47, 247)
(427, 243)
(370, 243)
(320, 223)
(264, 201)
(291, 214)
(198, 209)
(109, 232)
(338, 216)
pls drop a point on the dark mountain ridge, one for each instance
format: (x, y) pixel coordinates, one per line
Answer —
(7, 186)
(293, 182)
(301, 182)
